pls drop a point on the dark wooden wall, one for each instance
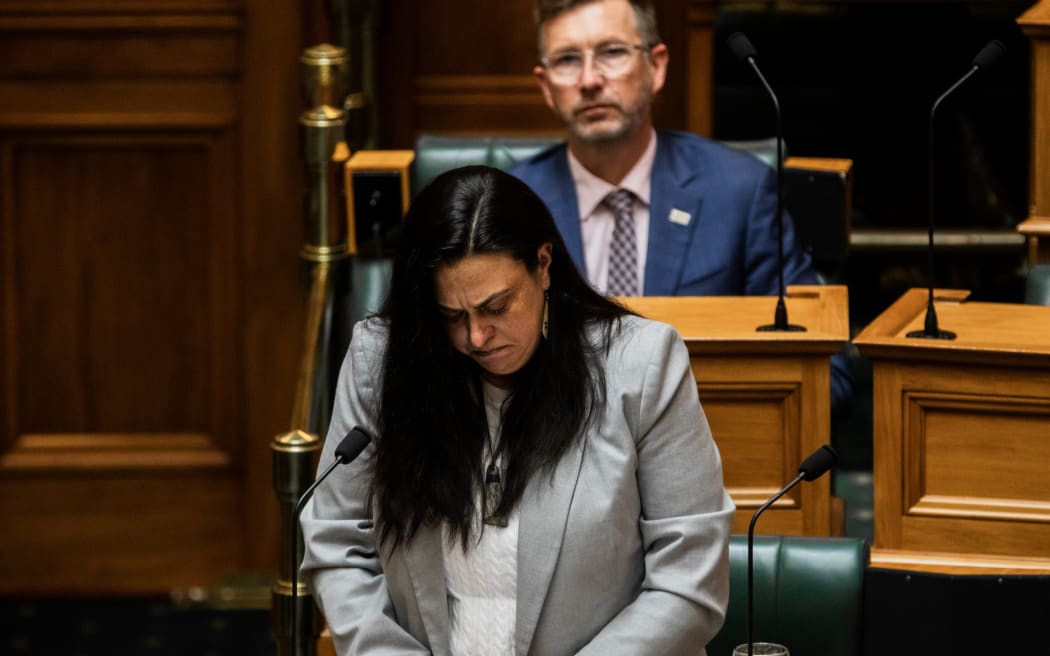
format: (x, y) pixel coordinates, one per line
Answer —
(150, 218)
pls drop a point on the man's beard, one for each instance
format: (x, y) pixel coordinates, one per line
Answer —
(610, 131)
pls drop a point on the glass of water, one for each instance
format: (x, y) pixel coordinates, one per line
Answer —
(762, 649)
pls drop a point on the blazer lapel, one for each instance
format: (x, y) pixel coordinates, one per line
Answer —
(425, 558)
(561, 201)
(676, 199)
(544, 514)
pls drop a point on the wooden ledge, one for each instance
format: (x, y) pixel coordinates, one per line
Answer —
(954, 563)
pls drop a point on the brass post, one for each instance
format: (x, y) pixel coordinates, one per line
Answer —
(294, 455)
(323, 128)
(325, 244)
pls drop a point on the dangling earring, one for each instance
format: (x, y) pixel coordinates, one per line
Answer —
(546, 306)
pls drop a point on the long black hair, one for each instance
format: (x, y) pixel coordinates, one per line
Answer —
(432, 424)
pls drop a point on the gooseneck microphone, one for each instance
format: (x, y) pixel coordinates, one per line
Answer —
(989, 55)
(811, 469)
(745, 52)
(348, 450)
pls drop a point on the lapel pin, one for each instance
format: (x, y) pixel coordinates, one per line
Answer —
(679, 217)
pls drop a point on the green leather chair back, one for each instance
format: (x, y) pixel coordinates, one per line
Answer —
(1037, 285)
(436, 154)
(808, 595)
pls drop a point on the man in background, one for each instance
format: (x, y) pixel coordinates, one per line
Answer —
(645, 211)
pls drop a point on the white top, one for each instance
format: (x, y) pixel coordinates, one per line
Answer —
(482, 582)
(597, 220)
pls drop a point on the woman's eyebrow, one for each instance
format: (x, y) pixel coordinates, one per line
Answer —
(492, 298)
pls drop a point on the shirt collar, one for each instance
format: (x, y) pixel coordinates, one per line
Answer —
(592, 190)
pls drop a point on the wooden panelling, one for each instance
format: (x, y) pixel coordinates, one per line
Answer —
(150, 216)
(475, 37)
(969, 473)
(479, 104)
(63, 46)
(756, 429)
(120, 224)
(974, 456)
(271, 291)
(99, 532)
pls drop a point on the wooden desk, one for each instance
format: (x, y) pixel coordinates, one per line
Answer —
(766, 395)
(961, 436)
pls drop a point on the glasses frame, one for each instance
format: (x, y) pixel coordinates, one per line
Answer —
(545, 62)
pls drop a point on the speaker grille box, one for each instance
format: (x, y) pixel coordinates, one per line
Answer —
(377, 197)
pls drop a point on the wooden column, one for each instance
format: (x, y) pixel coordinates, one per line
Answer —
(1036, 25)
(700, 31)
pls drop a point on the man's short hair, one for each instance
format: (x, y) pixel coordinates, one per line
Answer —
(644, 18)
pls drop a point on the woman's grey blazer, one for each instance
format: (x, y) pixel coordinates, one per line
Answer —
(623, 550)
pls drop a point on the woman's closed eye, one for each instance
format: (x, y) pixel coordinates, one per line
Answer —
(452, 316)
(495, 310)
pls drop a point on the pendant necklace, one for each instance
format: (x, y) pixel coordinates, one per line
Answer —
(493, 495)
(492, 492)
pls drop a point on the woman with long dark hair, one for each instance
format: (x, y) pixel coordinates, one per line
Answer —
(542, 479)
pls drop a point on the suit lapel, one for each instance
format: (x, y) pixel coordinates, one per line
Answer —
(425, 559)
(544, 514)
(561, 200)
(675, 185)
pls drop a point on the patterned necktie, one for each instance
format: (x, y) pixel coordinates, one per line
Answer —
(623, 253)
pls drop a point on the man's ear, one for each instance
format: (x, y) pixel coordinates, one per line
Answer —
(660, 58)
(544, 83)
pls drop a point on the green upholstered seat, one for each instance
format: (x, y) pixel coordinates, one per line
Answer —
(1037, 285)
(436, 154)
(371, 282)
(763, 149)
(808, 595)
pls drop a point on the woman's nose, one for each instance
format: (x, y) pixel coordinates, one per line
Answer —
(478, 332)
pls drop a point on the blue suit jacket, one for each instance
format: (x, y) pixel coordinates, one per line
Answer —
(728, 247)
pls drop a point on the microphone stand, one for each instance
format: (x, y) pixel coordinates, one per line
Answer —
(742, 47)
(751, 559)
(294, 631)
(811, 469)
(349, 448)
(988, 56)
(930, 328)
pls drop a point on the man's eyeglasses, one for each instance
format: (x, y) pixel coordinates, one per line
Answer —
(612, 59)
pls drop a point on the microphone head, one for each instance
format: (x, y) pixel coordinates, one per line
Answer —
(741, 46)
(818, 462)
(990, 55)
(352, 445)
